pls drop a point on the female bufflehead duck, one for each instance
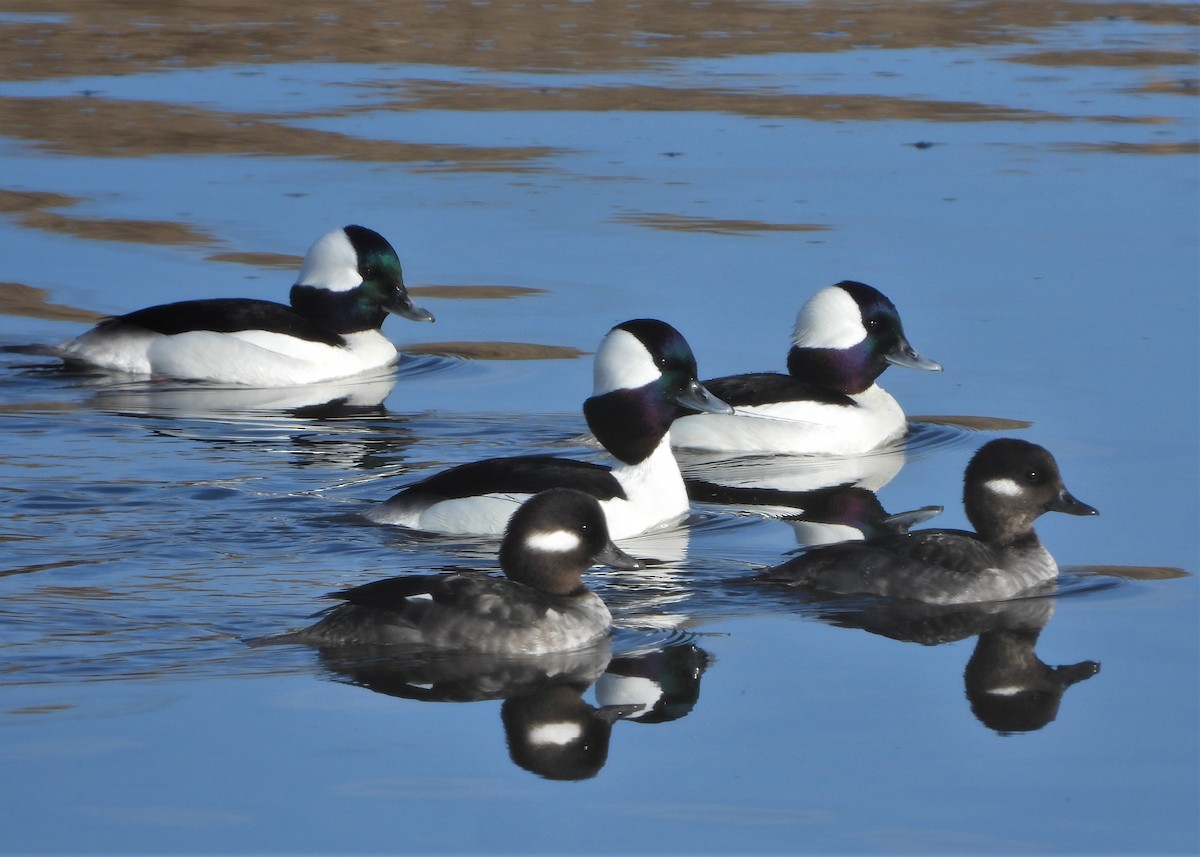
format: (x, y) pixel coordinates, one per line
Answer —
(829, 403)
(1008, 484)
(541, 606)
(644, 378)
(349, 282)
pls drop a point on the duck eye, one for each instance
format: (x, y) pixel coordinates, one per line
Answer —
(1033, 476)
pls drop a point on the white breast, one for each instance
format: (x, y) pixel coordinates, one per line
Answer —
(655, 494)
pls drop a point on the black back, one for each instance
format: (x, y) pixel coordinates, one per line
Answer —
(226, 315)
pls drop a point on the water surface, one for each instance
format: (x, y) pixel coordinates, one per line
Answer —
(1020, 179)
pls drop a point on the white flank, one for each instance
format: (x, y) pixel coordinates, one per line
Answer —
(331, 263)
(801, 427)
(622, 363)
(830, 319)
(558, 734)
(485, 514)
(1004, 487)
(553, 541)
(261, 358)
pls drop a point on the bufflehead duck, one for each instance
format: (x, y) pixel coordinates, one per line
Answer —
(644, 378)
(1008, 484)
(349, 282)
(541, 606)
(828, 403)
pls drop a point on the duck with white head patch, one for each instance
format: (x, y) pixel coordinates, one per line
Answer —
(644, 379)
(540, 606)
(349, 281)
(1008, 484)
(845, 336)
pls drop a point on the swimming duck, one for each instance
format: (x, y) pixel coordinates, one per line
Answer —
(644, 378)
(1008, 484)
(349, 281)
(540, 606)
(845, 336)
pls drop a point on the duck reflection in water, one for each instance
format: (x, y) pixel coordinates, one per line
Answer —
(1010, 689)
(550, 728)
(824, 499)
(360, 396)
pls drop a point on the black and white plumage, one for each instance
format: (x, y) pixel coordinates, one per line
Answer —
(845, 336)
(540, 606)
(349, 281)
(1008, 484)
(644, 379)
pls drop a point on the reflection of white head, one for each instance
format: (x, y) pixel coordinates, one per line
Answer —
(331, 263)
(555, 734)
(622, 363)
(830, 319)
(613, 689)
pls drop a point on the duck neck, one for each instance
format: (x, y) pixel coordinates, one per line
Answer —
(847, 370)
(1007, 531)
(545, 575)
(630, 424)
(342, 312)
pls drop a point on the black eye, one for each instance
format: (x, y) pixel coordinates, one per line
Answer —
(1033, 476)
(873, 324)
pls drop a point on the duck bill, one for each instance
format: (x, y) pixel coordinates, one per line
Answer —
(403, 306)
(1065, 676)
(905, 355)
(902, 522)
(614, 557)
(695, 397)
(1067, 504)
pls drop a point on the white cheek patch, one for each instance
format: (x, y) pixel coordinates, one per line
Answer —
(331, 263)
(830, 319)
(1004, 487)
(622, 363)
(556, 734)
(554, 541)
(1008, 690)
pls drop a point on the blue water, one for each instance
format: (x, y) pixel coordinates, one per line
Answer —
(150, 530)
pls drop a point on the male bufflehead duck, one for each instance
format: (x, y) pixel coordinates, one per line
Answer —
(349, 282)
(541, 606)
(828, 403)
(1008, 484)
(644, 378)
